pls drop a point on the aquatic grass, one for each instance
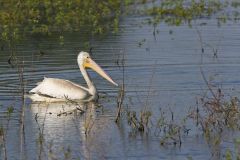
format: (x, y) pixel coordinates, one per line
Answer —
(3, 143)
(228, 155)
(15, 61)
(4, 131)
(217, 110)
(121, 92)
(167, 130)
(40, 139)
(119, 103)
(213, 113)
(142, 122)
(69, 103)
(216, 115)
(170, 130)
(233, 154)
(20, 69)
(237, 147)
(135, 123)
(66, 113)
(172, 135)
(66, 153)
(139, 122)
(145, 113)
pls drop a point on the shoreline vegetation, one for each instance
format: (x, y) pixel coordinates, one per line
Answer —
(29, 18)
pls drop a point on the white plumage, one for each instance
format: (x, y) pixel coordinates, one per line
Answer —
(60, 89)
(54, 89)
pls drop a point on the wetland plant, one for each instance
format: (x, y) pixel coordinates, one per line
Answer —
(4, 132)
(121, 92)
(3, 143)
(67, 153)
(215, 114)
(40, 139)
(138, 124)
(169, 131)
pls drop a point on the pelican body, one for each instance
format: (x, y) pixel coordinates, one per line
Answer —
(54, 89)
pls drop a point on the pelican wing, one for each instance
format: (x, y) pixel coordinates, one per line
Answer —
(61, 89)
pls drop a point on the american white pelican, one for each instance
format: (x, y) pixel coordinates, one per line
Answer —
(53, 89)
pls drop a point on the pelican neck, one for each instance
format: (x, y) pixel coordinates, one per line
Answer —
(90, 84)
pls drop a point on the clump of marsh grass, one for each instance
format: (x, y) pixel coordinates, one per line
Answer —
(142, 123)
(121, 92)
(139, 124)
(169, 130)
(166, 128)
(3, 143)
(215, 117)
(4, 132)
(79, 108)
(119, 103)
(67, 153)
(15, 62)
(215, 114)
(40, 139)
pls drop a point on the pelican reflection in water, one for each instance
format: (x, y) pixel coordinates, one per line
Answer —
(54, 90)
(64, 126)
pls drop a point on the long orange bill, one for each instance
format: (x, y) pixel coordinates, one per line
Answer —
(93, 65)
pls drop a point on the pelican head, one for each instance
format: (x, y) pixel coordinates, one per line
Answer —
(85, 61)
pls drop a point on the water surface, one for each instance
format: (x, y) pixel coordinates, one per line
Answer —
(162, 71)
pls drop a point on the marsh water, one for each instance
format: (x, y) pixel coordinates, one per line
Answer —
(161, 71)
